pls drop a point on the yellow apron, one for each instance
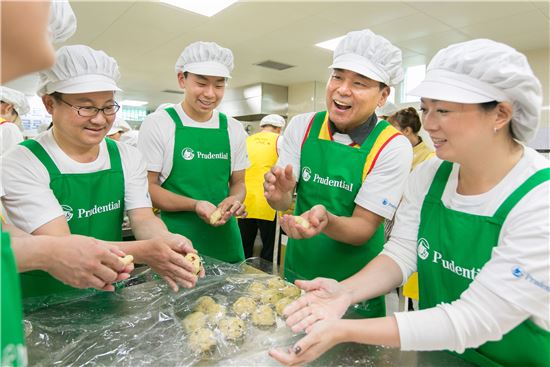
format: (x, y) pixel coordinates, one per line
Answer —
(262, 153)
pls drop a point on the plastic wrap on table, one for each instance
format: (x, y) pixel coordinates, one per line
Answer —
(142, 324)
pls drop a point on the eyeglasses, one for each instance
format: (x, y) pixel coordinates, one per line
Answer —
(93, 111)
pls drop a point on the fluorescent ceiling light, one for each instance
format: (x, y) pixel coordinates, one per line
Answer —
(133, 103)
(330, 44)
(203, 7)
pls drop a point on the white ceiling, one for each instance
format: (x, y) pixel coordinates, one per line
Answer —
(146, 37)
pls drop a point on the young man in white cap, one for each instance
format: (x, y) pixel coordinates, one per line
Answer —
(72, 180)
(263, 151)
(348, 167)
(473, 222)
(13, 104)
(196, 156)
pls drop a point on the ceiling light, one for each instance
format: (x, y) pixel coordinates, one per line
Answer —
(330, 44)
(203, 7)
(133, 103)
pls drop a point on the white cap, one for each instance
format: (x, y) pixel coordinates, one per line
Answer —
(80, 69)
(206, 58)
(481, 71)
(62, 23)
(15, 98)
(386, 110)
(274, 120)
(119, 125)
(370, 55)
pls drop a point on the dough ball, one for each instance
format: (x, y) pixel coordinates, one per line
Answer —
(280, 306)
(232, 328)
(275, 283)
(215, 216)
(302, 221)
(255, 289)
(270, 296)
(244, 306)
(194, 321)
(202, 340)
(204, 303)
(263, 316)
(291, 291)
(195, 260)
(215, 313)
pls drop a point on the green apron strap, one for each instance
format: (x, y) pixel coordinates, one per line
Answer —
(371, 139)
(175, 117)
(223, 121)
(536, 179)
(440, 181)
(42, 155)
(114, 155)
(316, 125)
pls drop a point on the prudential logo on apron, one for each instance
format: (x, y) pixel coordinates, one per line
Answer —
(68, 211)
(306, 174)
(188, 154)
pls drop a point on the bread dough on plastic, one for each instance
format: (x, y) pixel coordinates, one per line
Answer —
(202, 340)
(195, 260)
(215, 313)
(276, 283)
(232, 328)
(280, 306)
(205, 303)
(194, 321)
(255, 289)
(291, 291)
(263, 316)
(270, 296)
(244, 306)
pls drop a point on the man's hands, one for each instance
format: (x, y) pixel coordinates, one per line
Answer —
(165, 254)
(83, 262)
(229, 207)
(279, 184)
(316, 219)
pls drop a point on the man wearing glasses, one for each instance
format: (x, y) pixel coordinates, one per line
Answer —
(73, 180)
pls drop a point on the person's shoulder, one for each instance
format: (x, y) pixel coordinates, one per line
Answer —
(10, 127)
(156, 118)
(126, 150)
(536, 160)
(303, 118)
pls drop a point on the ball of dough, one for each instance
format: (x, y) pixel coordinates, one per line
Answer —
(202, 340)
(204, 303)
(232, 328)
(280, 306)
(275, 283)
(244, 306)
(263, 316)
(291, 291)
(270, 296)
(255, 289)
(195, 260)
(215, 313)
(194, 321)
(302, 221)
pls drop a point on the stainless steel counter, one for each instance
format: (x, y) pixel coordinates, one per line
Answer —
(141, 325)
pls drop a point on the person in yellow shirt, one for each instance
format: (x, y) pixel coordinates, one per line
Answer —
(263, 154)
(408, 123)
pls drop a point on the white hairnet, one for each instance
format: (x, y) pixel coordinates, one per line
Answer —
(15, 98)
(387, 109)
(370, 55)
(80, 69)
(119, 125)
(206, 58)
(62, 23)
(274, 120)
(481, 71)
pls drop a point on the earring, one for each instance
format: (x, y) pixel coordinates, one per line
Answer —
(495, 129)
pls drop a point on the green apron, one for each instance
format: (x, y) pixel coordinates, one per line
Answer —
(13, 352)
(332, 175)
(452, 248)
(201, 169)
(93, 204)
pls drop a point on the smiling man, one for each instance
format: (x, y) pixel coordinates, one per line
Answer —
(348, 167)
(71, 180)
(196, 156)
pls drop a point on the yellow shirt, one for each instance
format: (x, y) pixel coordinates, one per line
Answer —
(262, 153)
(421, 152)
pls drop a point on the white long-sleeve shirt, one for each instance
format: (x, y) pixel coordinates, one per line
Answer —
(496, 301)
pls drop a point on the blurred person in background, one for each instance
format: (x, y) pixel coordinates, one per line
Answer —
(263, 151)
(13, 104)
